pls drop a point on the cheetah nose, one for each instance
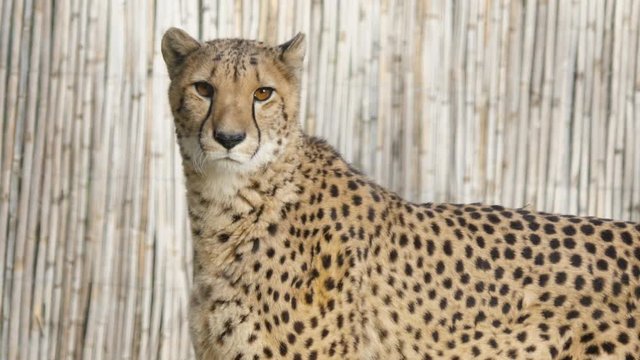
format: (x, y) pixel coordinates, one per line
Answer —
(228, 140)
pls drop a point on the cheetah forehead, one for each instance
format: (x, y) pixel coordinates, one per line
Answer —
(239, 51)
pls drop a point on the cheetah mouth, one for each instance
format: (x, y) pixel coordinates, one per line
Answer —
(226, 156)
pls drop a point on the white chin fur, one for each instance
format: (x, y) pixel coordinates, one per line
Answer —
(234, 162)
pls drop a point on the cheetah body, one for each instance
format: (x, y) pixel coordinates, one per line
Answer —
(299, 256)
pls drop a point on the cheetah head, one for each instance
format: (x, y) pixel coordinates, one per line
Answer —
(235, 102)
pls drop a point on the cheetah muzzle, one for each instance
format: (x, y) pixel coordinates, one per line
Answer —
(299, 256)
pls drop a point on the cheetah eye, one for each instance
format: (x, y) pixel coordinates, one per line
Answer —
(263, 94)
(204, 89)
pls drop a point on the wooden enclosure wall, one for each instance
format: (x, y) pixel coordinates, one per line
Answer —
(522, 103)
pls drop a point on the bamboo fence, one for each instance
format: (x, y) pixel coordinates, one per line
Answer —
(522, 103)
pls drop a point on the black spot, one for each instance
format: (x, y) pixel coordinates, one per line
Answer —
(518, 273)
(576, 260)
(267, 352)
(590, 247)
(573, 314)
(223, 238)
(592, 350)
(606, 235)
(298, 326)
(602, 264)
(408, 270)
(371, 214)
(393, 255)
(417, 243)
(559, 300)
(539, 259)
(431, 247)
(334, 190)
(561, 278)
(554, 257)
(598, 284)
(522, 336)
(493, 218)
(585, 301)
(326, 261)
(597, 314)
(569, 230)
(255, 245)
(608, 347)
(622, 264)
(345, 210)
(471, 302)
(569, 243)
(427, 317)
(272, 229)
(623, 338)
(510, 239)
(488, 229)
(588, 337)
(535, 239)
(329, 283)
(446, 247)
(509, 253)
(435, 228)
(404, 240)
(587, 229)
(549, 229)
(516, 225)
(611, 252)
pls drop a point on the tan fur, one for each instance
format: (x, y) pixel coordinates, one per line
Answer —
(299, 256)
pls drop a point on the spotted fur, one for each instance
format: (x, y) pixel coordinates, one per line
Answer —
(299, 256)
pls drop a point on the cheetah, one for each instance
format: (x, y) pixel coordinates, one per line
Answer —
(297, 255)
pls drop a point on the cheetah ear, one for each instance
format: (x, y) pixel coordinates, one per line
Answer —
(292, 52)
(176, 46)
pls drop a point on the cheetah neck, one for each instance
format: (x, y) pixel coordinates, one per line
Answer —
(222, 202)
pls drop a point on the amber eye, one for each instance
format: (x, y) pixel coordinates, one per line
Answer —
(204, 89)
(263, 93)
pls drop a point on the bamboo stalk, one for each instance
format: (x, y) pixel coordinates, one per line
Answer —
(626, 173)
(597, 111)
(512, 24)
(9, 125)
(99, 160)
(546, 111)
(524, 105)
(18, 113)
(635, 148)
(37, 317)
(25, 243)
(49, 214)
(614, 133)
(470, 188)
(579, 160)
(534, 150)
(604, 155)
